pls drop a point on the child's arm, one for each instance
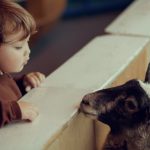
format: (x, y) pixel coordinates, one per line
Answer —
(31, 80)
(15, 111)
(19, 81)
(9, 112)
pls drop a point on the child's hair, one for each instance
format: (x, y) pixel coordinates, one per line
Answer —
(14, 18)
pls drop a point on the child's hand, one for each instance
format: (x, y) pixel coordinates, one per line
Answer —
(33, 80)
(29, 112)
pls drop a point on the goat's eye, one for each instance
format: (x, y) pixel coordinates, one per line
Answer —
(131, 105)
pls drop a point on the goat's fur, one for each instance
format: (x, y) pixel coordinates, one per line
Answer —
(126, 109)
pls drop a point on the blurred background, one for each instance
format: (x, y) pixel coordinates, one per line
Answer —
(65, 26)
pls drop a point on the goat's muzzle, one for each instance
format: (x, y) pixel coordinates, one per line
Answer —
(87, 106)
(96, 104)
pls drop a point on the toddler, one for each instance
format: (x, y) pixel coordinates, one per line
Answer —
(16, 26)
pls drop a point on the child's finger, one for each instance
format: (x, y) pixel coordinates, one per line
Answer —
(28, 88)
(34, 81)
(37, 77)
(40, 76)
(31, 81)
(29, 112)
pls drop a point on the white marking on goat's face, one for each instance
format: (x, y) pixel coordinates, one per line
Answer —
(87, 107)
(145, 87)
(89, 111)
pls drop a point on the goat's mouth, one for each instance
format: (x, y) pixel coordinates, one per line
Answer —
(89, 111)
(94, 113)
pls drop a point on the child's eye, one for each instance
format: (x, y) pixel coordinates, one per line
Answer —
(18, 47)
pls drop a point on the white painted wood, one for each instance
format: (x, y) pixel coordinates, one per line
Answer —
(98, 63)
(135, 20)
(95, 66)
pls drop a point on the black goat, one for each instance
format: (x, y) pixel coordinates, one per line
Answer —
(126, 109)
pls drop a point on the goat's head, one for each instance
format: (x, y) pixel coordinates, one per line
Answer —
(123, 106)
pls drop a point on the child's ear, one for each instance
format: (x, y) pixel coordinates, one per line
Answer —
(147, 75)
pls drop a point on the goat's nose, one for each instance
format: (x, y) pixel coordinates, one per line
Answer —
(85, 102)
(86, 99)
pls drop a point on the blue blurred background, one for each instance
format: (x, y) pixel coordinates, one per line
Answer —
(89, 7)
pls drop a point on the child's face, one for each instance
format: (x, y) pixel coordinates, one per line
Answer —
(14, 54)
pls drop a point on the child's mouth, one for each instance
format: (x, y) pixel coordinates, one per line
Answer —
(25, 63)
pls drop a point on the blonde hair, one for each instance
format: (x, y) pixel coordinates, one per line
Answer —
(14, 18)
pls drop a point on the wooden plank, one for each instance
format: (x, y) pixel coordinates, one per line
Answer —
(135, 20)
(79, 135)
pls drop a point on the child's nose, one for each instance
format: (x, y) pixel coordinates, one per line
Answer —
(27, 51)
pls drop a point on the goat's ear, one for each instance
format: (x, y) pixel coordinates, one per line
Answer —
(147, 75)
